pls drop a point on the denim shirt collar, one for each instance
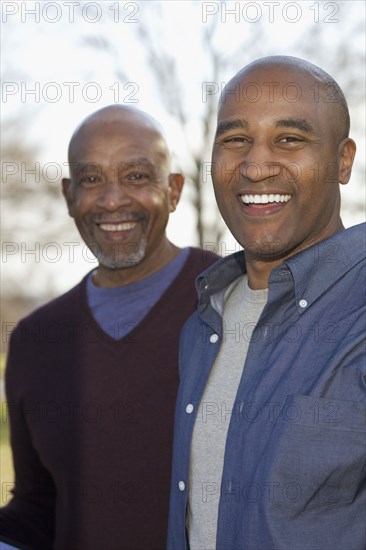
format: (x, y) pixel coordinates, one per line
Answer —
(312, 270)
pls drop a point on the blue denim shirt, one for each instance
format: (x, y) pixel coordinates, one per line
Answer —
(294, 458)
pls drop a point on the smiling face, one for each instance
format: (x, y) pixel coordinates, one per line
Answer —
(277, 163)
(121, 194)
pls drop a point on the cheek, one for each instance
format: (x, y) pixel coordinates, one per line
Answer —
(158, 200)
(84, 202)
(224, 196)
(318, 185)
(157, 206)
(225, 168)
(228, 208)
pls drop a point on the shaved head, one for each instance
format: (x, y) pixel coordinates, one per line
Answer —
(281, 150)
(121, 193)
(117, 118)
(325, 88)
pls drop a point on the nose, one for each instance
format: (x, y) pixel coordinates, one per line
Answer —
(114, 196)
(259, 164)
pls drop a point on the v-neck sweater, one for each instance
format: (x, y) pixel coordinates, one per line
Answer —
(92, 422)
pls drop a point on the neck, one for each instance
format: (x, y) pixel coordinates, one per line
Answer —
(259, 269)
(258, 273)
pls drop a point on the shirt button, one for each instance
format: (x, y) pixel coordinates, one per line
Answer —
(303, 303)
(189, 408)
(181, 485)
(213, 338)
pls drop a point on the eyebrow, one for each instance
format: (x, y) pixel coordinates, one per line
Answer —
(138, 161)
(299, 124)
(231, 125)
(80, 167)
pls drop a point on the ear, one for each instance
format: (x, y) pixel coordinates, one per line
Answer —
(176, 182)
(346, 154)
(68, 194)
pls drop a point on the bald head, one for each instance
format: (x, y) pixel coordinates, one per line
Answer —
(114, 120)
(319, 84)
(121, 193)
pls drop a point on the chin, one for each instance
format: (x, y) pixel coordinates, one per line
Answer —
(265, 250)
(123, 256)
(130, 260)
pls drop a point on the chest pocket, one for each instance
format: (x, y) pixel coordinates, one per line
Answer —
(315, 454)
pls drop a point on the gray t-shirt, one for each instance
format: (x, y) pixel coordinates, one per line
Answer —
(242, 309)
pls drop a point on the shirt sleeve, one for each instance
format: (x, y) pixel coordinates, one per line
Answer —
(28, 518)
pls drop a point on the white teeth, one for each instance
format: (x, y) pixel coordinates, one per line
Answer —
(264, 199)
(118, 226)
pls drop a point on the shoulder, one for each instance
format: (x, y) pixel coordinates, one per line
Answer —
(355, 236)
(58, 308)
(46, 337)
(201, 259)
(349, 249)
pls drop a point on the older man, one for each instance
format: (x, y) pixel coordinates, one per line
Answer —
(270, 421)
(92, 376)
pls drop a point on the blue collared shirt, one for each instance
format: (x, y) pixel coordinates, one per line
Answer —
(294, 471)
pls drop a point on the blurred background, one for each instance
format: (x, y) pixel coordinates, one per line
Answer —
(60, 61)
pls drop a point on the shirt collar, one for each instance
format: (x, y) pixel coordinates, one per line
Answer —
(313, 270)
(320, 266)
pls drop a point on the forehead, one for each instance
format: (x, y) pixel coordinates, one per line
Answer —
(123, 140)
(277, 92)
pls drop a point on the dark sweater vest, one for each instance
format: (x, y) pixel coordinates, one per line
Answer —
(92, 422)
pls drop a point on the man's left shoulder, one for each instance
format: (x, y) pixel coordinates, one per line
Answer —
(354, 236)
(200, 259)
(347, 248)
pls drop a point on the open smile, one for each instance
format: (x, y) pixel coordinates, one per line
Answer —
(265, 199)
(118, 230)
(122, 226)
(264, 204)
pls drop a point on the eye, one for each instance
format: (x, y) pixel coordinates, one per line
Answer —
(236, 139)
(90, 180)
(138, 177)
(291, 139)
(236, 142)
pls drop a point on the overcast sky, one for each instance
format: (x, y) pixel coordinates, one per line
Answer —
(53, 78)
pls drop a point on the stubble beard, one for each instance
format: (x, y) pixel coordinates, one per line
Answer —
(124, 255)
(120, 255)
